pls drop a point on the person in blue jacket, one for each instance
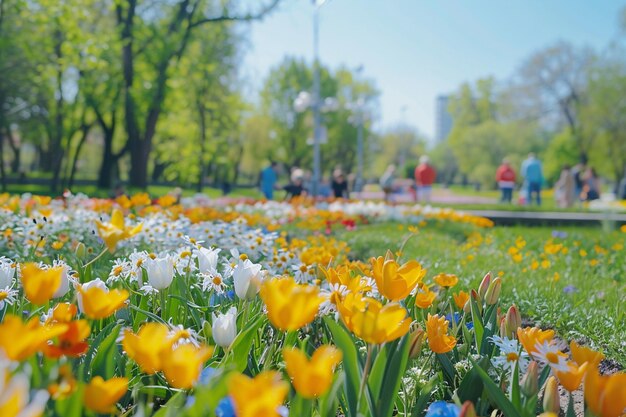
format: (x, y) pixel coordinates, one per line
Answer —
(533, 175)
(267, 180)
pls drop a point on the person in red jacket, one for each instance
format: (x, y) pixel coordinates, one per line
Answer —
(505, 176)
(425, 176)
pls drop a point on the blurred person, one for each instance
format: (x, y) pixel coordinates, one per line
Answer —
(533, 175)
(425, 175)
(591, 187)
(268, 179)
(295, 188)
(578, 171)
(505, 176)
(387, 180)
(339, 184)
(565, 188)
(325, 190)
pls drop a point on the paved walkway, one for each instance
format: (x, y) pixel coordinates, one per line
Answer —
(550, 217)
(439, 195)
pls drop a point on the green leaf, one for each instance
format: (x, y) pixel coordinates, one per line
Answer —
(328, 402)
(173, 406)
(350, 361)
(515, 389)
(377, 373)
(104, 362)
(93, 348)
(495, 393)
(419, 409)
(396, 366)
(448, 368)
(471, 387)
(240, 347)
(478, 323)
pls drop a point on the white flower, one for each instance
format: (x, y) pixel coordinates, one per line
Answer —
(247, 279)
(7, 296)
(7, 272)
(213, 282)
(160, 272)
(548, 353)
(510, 353)
(225, 327)
(207, 260)
(65, 282)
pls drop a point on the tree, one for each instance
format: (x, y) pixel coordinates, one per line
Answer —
(292, 130)
(551, 87)
(401, 145)
(153, 41)
(605, 114)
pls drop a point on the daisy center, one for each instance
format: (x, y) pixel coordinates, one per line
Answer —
(3, 295)
(552, 357)
(512, 357)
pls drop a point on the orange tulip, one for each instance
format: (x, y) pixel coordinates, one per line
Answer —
(573, 377)
(460, 299)
(101, 396)
(437, 334)
(605, 395)
(529, 337)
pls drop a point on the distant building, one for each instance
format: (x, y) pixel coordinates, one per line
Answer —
(443, 119)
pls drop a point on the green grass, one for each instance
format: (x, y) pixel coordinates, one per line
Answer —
(594, 313)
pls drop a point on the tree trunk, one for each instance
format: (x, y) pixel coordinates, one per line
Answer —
(83, 138)
(201, 164)
(3, 181)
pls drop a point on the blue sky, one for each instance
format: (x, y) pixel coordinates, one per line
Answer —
(415, 50)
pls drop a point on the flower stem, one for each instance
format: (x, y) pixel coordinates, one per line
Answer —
(96, 258)
(366, 371)
(163, 301)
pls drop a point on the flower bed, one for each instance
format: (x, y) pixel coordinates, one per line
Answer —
(140, 307)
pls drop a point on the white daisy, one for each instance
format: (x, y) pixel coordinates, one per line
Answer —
(548, 353)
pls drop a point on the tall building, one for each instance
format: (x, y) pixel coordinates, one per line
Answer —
(443, 119)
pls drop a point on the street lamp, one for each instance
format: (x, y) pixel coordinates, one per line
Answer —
(358, 119)
(306, 100)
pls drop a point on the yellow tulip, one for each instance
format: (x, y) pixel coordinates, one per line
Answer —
(424, 299)
(529, 337)
(437, 334)
(99, 303)
(146, 347)
(183, 364)
(101, 396)
(460, 299)
(312, 378)
(258, 396)
(40, 284)
(446, 280)
(573, 377)
(290, 306)
(394, 281)
(63, 313)
(22, 340)
(605, 395)
(582, 354)
(116, 231)
(369, 320)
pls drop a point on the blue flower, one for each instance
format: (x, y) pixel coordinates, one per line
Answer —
(457, 319)
(442, 409)
(225, 408)
(570, 289)
(191, 400)
(206, 375)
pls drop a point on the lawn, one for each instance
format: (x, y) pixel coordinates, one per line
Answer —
(572, 280)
